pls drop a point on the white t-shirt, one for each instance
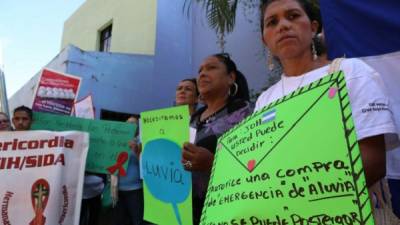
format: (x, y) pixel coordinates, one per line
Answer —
(369, 102)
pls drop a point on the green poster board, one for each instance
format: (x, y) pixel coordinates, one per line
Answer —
(296, 161)
(108, 144)
(167, 186)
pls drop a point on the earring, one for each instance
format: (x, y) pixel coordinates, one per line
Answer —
(235, 91)
(314, 51)
(271, 65)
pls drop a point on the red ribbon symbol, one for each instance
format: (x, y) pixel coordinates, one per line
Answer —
(121, 159)
(40, 196)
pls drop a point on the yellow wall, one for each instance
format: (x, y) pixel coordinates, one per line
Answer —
(133, 25)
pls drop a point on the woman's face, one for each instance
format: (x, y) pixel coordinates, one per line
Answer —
(186, 93)
(4, 123)
(287, 30)
(213, 78)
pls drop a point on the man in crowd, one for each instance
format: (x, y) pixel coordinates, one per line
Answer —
(22, 118)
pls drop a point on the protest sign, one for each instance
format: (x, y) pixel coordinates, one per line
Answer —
(55, 92)
(84, 108)
(42, 177)
(108, 146)
(167, 186)
(296, 161)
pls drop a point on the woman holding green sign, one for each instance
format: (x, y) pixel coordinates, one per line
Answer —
(289, 30)
(224, 92)
(187, 94)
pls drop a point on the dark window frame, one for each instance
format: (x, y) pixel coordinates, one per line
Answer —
(105, 39)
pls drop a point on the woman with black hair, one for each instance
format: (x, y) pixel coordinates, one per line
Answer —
(289, 28)
(224, 92)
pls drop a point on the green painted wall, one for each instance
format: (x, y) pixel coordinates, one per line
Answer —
(133, 21)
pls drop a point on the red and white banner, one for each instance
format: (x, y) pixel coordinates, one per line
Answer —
(56, 92)
(42, 177)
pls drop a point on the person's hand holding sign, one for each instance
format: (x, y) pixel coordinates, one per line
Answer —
(136, 147)
(195, 158)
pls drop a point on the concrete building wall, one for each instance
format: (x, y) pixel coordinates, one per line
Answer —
(133, 25)
(174, 48)
(244, 45)
(132, 83)
(181, 42)
(184, 41)
(24, 96)
(117, 82)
